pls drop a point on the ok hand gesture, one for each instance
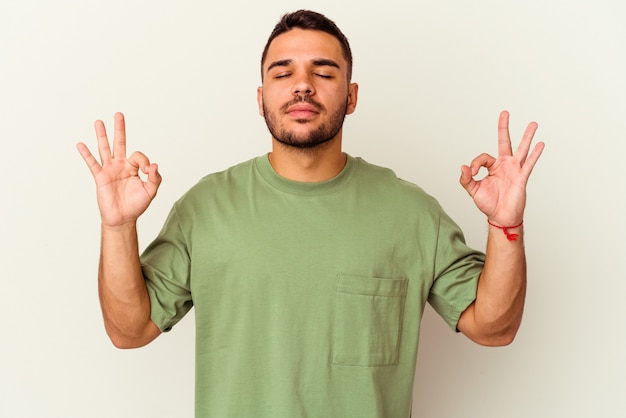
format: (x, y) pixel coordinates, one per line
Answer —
(501, 195)
(122, 195)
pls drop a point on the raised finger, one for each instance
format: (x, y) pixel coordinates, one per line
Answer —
(119, 139)
(504, 139)
(533, 157)
(92, 163)
(104, 148)
(524, 145)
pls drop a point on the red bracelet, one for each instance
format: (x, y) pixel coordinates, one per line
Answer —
(505, 229)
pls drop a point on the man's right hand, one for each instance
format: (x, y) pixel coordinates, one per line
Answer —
(122, 195)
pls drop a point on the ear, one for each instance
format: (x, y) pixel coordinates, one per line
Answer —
(353, 96)
(259, 100)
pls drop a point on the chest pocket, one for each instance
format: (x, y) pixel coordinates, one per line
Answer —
(368, 320)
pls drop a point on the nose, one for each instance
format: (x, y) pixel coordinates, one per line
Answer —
(303, 85)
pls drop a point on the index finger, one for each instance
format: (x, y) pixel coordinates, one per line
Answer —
(504, 140)
(119, 138)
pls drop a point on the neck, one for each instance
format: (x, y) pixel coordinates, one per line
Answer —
(308, 165)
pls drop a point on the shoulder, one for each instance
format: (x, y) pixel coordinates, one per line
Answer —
(235, 173)
(218, 184)
(387, 182)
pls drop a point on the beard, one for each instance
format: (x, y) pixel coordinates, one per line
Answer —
(321, 135)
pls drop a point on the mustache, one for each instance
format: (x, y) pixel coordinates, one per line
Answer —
(303, 99)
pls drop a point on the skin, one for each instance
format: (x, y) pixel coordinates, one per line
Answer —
(122, 197)
(306, 63)
(306, 147)
(495, 316)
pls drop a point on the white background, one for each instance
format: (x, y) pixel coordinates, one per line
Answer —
(433, 76)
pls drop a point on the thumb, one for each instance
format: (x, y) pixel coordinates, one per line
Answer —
(467, 181)
(154, 179)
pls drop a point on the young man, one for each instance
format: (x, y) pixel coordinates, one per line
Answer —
(308, 268)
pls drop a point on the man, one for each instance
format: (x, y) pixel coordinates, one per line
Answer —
(308, 268)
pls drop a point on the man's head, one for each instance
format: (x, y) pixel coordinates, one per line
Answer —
(306, 91)
(306, 19)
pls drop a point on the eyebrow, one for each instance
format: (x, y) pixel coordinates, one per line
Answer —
(319, 62)
(325, 62)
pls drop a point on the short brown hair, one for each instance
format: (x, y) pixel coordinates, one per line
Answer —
(307, 19)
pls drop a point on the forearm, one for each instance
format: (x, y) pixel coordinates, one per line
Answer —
(122, 289)
(496, 314)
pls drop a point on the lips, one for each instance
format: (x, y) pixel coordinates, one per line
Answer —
(302, 111)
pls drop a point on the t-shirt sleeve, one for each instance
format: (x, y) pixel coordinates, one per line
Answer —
(166, 268)
(457, 269)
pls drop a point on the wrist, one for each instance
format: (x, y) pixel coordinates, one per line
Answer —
(508, 230)
(121, 228)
